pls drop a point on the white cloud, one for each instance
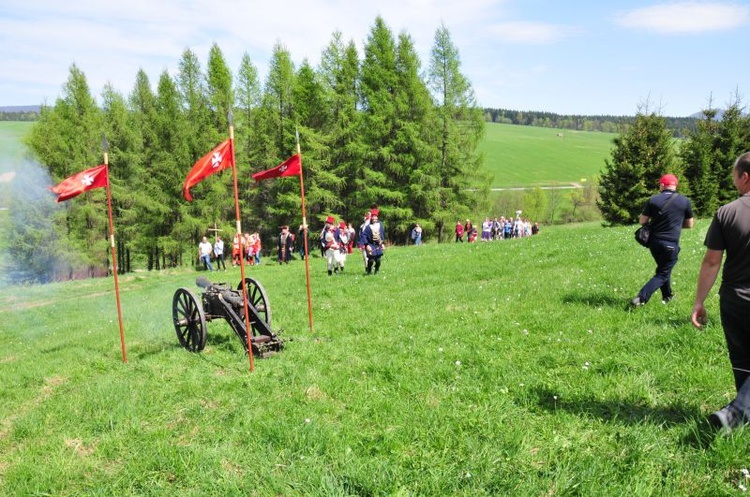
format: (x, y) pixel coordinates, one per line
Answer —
(531, 32)
(687, 17)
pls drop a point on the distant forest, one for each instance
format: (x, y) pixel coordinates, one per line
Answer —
(608, 124)
(20, 113)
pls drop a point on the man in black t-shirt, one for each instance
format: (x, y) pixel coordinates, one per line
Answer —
(668, 213)
(730, 232)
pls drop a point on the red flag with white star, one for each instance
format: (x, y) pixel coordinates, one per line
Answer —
(290, 167)
(96, 177)
(216, 160)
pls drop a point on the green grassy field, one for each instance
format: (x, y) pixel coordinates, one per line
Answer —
(11, 148)
(517, 156)
(502, 368)
(527, 156)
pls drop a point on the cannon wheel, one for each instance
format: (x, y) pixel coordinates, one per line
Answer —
(189, 320)
(256, 295)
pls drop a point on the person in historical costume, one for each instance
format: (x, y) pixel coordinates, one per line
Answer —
(236, 249)
(330, 245)
(342, 237)
(373, 239)
(329, 225)
(284, 245)
(359, 243)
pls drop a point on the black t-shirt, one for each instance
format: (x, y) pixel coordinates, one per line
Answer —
(668, 224)
(730, 232)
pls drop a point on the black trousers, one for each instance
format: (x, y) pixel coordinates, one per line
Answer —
(665, 255)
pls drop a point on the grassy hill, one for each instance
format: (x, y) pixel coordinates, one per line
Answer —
(11, 148)
(517, 156)
(527, 156)
(502, 368)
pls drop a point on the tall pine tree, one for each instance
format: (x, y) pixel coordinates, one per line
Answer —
(459, 180)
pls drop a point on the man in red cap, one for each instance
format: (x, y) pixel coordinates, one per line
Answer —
(342, 237)
(330, 244)
(668, 212)
(373, 239)
(328, 226)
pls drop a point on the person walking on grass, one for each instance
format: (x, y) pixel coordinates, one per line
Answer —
(204, 253)
(219, 253)
(668, 212)
(373, 239)
(729, 233)
(284, 245)
(359, 237)
(330, 246)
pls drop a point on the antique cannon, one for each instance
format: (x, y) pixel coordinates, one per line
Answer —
(219, 300)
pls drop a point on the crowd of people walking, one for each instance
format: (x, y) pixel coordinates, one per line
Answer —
(338, 240)
(500, 228)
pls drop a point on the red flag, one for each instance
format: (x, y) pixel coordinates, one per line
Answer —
(216, 160)
(290, 167)
(96, 177)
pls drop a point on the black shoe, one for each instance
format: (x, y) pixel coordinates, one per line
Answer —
(637, 302)
(330, 272)
(726, 419)
(667, 299)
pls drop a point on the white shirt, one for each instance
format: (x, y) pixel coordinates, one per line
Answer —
(205, 248)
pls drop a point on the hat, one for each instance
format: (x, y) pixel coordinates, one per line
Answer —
(668, 179)
(342, 225)
(330, 220)
(374, 212)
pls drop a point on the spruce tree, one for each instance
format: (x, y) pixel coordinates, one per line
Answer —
(641, 155)
(698, 155)
(379, 122)
(339, 75)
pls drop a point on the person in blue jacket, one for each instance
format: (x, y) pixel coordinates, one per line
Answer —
(372, 238)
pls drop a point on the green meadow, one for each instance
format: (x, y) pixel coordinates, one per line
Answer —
(11, 148)
(500, 368)
(527, 156)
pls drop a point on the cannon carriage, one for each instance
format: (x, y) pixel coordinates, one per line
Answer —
(221, 301)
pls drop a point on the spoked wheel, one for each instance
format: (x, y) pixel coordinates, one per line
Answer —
(189, 320)
(256, 296)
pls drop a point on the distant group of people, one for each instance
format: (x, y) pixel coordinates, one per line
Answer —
(337, 241)
(495, 229)
(215, 252)
(247, 246)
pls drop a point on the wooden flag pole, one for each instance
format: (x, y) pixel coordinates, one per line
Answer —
(105, 147)
(242, 255)
(305, 234)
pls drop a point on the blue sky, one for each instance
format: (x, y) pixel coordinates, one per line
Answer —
(575, 57)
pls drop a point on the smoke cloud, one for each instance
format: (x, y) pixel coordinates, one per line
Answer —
(27, 208)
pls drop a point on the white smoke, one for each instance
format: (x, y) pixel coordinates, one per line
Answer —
(26, 211)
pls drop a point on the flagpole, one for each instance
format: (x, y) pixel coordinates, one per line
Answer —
(305, 234)
(105, 147)
(248, 333)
